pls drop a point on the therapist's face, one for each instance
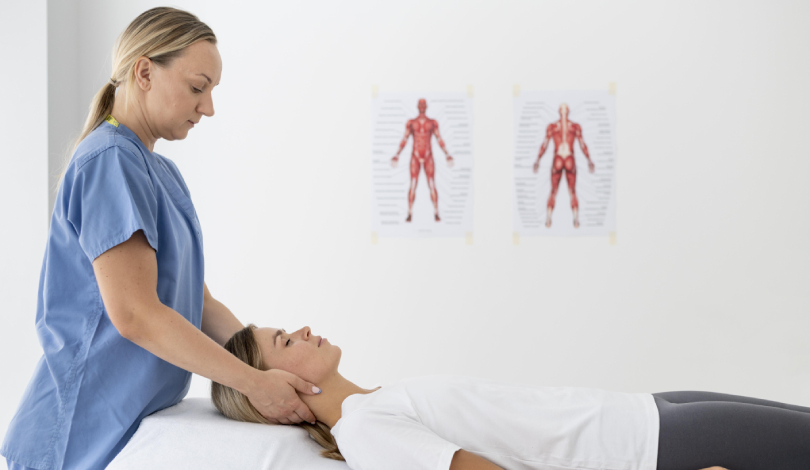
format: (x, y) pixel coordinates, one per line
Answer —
(313, 358)
(179, 95)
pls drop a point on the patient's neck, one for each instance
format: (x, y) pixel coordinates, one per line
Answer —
(326, 405)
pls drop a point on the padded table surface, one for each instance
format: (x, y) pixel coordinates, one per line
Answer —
(194, 435)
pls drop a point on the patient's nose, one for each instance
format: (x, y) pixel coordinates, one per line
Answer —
(306, 332)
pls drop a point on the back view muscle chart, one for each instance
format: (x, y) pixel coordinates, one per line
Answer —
(564, 163)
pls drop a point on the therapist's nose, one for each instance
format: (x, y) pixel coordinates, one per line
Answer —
(206, 106)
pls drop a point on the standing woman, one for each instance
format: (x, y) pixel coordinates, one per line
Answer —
(123, 313)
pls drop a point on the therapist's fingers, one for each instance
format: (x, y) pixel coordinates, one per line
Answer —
(298, 411)
(302, 385)
(302, 413)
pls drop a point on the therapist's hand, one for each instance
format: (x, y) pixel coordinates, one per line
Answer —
(273, 394)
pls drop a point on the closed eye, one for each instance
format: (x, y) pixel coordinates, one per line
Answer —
(196, 90)
(287, 343)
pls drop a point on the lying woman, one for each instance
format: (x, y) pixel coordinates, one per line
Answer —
(442, 422)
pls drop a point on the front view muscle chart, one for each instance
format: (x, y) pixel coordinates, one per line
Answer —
(430, 193)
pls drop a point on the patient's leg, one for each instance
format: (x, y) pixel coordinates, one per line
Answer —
(691, 397)
(703, 429)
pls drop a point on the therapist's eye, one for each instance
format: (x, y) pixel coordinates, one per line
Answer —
(196, 90)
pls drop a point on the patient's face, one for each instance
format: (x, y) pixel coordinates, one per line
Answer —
(310, 357)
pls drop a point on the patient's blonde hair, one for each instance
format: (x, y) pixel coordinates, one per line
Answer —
(160, 34)
(235, 405)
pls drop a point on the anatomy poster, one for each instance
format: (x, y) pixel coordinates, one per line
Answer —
(564, 147)
(421, 164)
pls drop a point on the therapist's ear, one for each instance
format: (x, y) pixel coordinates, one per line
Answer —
(143, 73)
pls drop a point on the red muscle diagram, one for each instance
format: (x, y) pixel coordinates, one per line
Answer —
(422, 128)
(564, 132)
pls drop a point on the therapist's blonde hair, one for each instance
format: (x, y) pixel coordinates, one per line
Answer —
(161, 34)
(235, 405)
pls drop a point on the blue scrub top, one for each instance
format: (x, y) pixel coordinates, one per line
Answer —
(92, 387)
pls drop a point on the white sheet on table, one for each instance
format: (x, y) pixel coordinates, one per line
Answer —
(194, 435)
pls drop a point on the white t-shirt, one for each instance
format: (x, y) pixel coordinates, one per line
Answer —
(420, 423)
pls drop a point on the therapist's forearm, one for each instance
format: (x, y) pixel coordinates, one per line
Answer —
(169, 336)
(218, 322)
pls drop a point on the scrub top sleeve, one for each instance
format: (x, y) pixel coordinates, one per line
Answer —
(112, 197)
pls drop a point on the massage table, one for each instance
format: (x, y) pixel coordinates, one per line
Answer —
(194, 435)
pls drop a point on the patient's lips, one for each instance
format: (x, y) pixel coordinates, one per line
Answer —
(320, 341)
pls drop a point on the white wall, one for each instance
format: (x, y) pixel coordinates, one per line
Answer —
(23, 192)
(707, 287)
(65, 111)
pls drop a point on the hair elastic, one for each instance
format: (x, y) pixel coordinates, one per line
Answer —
(113, 82)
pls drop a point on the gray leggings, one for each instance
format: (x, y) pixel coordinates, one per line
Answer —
(704, 429)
